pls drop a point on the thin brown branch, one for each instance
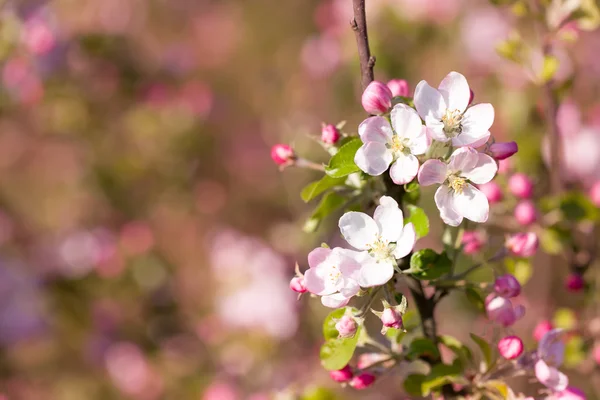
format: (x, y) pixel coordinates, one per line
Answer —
(359, 25)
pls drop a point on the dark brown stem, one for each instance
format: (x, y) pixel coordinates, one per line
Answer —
(426, 308)
(359, 25)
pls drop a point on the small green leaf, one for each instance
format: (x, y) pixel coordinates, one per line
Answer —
(474, 297)
(463, 353)
(440, 375)
(552, 241)
(498, 386)
(413, 385)
(336, 353)
(426, 264)
(329, 203)
(314, 189)
(412, 193)
(395, 335)
(329, 331)
(317, 393)
(485, 348)
(417, 216)
(576, 206)
(422, 347)
(342, 163)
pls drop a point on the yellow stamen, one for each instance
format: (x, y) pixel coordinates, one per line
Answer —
(457, 183)
(397, 145)
(451, 121)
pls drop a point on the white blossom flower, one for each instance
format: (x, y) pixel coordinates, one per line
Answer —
(457, 198)
(381, 239)
(446, 115)
(551, 352)
(398, 146)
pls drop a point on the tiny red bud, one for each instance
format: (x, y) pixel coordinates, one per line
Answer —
(507, 286)
(330, 134)
(398, 87)
(282, 154)
(297, 284)
(390, 318)
(541, 329)
(521, 186)
(525, 213)
(377, 98)
(362, 381)
(510, 347)
(503, 150)
(342, 375)
(523, 244)
(574, 282)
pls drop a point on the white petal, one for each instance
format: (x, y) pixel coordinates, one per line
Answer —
(443, 201)
(375, 129)
(406, 242)
(429, 101)
(317, 256)
(373, 158)
(406, 121)
(404, 169)
(484, 171)
(335, 300)
(435, 130)
(455, 90)
(432, 171)
(390, 221)
(358, 229)
(317, 283)
(463, 159)
(376, 273)
(420, 143)
(471, 204)
(388, 201)
(478, 119)
(349, 287)
(550, 376)
(471, 139)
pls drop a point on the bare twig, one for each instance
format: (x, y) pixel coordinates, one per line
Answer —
(359, 25)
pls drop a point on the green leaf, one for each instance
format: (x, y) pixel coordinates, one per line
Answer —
(329, 203)
(336, 353)
(422, 347)
(440, 375)
(412, 192)
(474, 297)
(329, 331)
(395, 335)
(342, 163)
(413, 385)
(549, 68)
(576, 206)
(317, 393)
(463, 353)
(314, 189)
(485, 348)
(498, 386)
(520, 268)
(553, 240)
(417, 216)
(426, 264)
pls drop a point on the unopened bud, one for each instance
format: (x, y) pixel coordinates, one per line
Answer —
(346, 326)
(501, 311)
(507, 286)
(574, 282)
(525, 213)
(523, 244)
(362, 381)
(510, 347)
(521, 186)
(330, 134)
(342, 375)
(472, 242)
(297, 284)
(541, 329)
(283, 154)
(595, 194)
(492, 191)
(503, 150)
(398, 87)
(377, 98)
(390, 318)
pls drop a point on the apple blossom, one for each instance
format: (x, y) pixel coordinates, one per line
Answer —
(446, 115)
(503, 150)
(381, 240)
(346, 326)
(523, 244)
(525, 212)
(377, 98)
(330, 134)
(342, 375)
(507, 286)
(521, 186)
(501, 310)
(492, 191)
(333, 274)
(297, 284)
(550, 352)
(574, 282)
(362, 381)
(383, 145)
(457, 198)
(282, 154)
(510, 347)
(398, 87)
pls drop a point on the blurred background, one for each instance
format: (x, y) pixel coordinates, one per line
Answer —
(146, 237)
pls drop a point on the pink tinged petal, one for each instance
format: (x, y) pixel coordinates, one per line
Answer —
(550, 377)
(349, 287)
(405, 121)
(471, 204)
(373, 158)
(477, 119)
(443, 201)
(376, 273)
(463, 159)
(431, 172)
(484, 171)
(471, 139)
(390, 221)
(455, 90)
(404, 169)
(429, 101)
(350, 267)
(358, 229)
(318, 256)
(375, 129)
(420, 143)
(406, 242)
(335, 300)
(317, 282)
(435, 129)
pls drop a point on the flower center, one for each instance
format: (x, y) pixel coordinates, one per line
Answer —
(334, 274)
(457, 183)
(397, 145)
(451, 121)
(380, 249)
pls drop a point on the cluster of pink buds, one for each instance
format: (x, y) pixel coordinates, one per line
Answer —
(346, 375)
(524, 244)
(377, 97)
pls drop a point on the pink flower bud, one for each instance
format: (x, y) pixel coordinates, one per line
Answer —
(596, 353)
(377, 98)
(507, 286)
(492, 191)
(342, 375)
(525, 213)
(362, 381)
(471, 96)
(595, 194)
(574, 282)
(510, 347)
(472, 242)
(346, 326)
(297, 284)
(398, 87)
(521, 186)
(570, 393)
(503, 150)
(501, 311)
(541, 329)
(523, 244)
(282, 154)
(390, 318)
(330, 134)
